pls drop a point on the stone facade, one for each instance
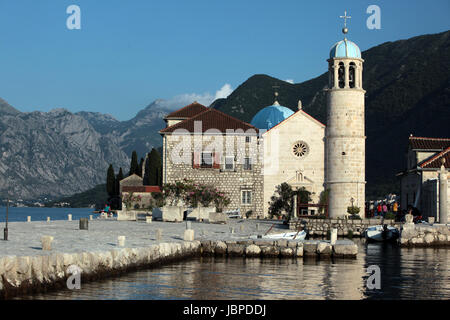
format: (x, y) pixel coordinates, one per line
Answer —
(283, 164)
(345, 139)
(179, 152)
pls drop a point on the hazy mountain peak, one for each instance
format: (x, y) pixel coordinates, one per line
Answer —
(6, 108)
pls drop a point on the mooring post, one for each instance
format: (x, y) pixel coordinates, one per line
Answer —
(158, 234)
(5, 231)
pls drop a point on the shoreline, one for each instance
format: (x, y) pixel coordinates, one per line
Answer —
(27, 269)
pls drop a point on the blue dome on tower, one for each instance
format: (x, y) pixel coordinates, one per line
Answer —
(345, 49)
(271, 116)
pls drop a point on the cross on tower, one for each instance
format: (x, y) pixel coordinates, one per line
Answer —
(276, 93)
(345, 17)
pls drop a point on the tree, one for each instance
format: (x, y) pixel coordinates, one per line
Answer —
(153, 169)
(141, 163)
(282, 199)
(324, 195)
(110, 181)
(118, 179)
(134, 166)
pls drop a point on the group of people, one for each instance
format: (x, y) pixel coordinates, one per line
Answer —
(383, 208)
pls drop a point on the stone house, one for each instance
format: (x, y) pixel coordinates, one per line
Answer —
(210, 147)
(420, 179)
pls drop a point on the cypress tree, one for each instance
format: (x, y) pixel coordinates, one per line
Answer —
(146, 180)
(134, 166)
(155, 168)
(118, 179)
(141, 163)
(110, 181)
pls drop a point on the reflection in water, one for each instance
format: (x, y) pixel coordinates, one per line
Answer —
(405, 274)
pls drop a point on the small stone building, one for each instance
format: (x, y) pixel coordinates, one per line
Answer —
(134, 185)
(420, 180)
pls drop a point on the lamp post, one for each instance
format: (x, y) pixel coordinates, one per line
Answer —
(5, 231)
(353, 208)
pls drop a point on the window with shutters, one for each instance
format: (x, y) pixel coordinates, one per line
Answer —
(229, 163)
(246, 197)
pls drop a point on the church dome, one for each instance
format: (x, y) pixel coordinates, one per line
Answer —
(345, 49)
(271, 116)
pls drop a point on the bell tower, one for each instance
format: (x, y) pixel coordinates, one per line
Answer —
(345, 133)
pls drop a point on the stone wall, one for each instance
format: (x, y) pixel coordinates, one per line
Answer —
(178, 164)
(280, 248)
(425, 235)
(21, 275)
(321, 227)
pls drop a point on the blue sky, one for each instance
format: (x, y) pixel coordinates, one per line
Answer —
(129, 53)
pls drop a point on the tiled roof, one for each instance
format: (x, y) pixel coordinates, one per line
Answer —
(421, 143)
(211, 119)
(141, 189)
(188, 111)
(435, 161)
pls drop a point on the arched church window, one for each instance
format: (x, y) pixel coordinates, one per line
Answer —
(351, 74)
(300, 149)
(341, 75)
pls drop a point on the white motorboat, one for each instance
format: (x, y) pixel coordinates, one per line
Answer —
(280, 236)
(382, 233)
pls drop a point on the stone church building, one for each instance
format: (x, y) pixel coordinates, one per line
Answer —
(248, 160)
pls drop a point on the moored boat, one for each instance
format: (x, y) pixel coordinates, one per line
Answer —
(301, 235)
(382, 233)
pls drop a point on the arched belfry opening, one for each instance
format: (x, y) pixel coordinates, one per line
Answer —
(352, 75)
(341, 75)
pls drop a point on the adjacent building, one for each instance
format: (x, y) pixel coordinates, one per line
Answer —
(420, 180)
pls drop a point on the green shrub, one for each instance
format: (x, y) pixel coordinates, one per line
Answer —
(353, 210)
(389, 215)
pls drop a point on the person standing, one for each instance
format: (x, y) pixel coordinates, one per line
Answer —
(385, 209)
(395, 208)
(379, 209)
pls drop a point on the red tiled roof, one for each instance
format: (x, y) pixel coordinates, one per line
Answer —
(435, 161)
(211, 119)
(141, 189)
(421, 143)
(188, 111)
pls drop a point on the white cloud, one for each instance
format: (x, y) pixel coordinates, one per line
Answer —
(224, 92)
(206, 98)
(290, 81)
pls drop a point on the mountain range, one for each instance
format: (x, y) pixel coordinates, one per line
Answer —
(59, 153)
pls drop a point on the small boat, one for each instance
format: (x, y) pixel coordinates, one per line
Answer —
(382, 233)
(280, 236)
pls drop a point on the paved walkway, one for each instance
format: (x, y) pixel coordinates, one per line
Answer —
(25, 237)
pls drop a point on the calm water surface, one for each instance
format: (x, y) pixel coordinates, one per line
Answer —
(405, 274)
(41, 214)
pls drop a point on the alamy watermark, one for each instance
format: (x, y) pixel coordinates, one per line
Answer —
(374, 280)
(74, 281)
(374, 20)
(73, 22)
